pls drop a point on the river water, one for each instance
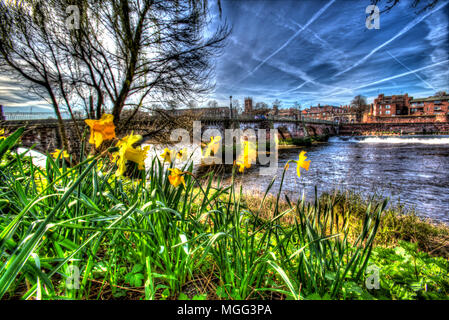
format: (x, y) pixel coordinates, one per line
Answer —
(411, 170)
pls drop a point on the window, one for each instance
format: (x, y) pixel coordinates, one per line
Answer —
(387, 112)
(387, 106)
(437, 109)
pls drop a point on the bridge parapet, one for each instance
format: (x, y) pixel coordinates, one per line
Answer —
(271, 119)
(44, 133)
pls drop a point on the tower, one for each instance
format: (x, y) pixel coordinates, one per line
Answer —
(248, 105)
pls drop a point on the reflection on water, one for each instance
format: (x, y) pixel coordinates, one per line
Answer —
(413, 170)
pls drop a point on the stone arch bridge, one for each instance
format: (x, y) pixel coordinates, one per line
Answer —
(43, 134)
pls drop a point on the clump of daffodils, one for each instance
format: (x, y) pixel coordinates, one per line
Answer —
(104, 130)
(128, 153)
(60, 153)
(212, 147)
(176, 177)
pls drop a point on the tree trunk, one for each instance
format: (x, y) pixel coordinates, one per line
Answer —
(61, 127)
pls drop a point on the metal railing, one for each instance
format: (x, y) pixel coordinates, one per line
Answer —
(17, 116)
(269, 118)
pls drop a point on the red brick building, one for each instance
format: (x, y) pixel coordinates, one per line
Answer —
(290, 112)
(390, 106)
(322, 112)
(346, 114)
(431, 105)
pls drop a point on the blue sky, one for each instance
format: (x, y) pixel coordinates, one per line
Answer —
(321, 51)
(314, 51)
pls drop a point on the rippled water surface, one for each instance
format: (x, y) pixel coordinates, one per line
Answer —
(413, 170)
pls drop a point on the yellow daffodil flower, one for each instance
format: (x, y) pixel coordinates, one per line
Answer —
(2, 134)
(176, 177)
(101, 130)
(167, 155)
(212, 146)
(128, 152)
(182, 155)
(301, 163)
(248, 156)
(59, 153)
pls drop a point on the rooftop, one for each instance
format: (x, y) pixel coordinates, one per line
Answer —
(430, 99)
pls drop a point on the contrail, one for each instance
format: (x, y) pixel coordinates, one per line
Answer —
(390, 78)
(400, 33)
(307, 82)
(417, 75)
(321, 40)
(316, 16)
(298, 87)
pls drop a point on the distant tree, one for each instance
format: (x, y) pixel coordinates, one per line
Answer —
(171, 104)
(359, 105)
(238, 109)
(440, 94)
(359, 101)
(154, 106)
(277, 103)
(192, 104)
(297, 106)
(212, 104)
(261, 108)
(261, 105)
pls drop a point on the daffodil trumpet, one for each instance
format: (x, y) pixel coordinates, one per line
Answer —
(176, 177)
(101, 130)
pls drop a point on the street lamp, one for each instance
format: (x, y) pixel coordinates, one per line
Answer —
(230, 105)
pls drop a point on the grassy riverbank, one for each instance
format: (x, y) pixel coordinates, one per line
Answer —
(397, 223)
(81, 232)
(304, 141)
